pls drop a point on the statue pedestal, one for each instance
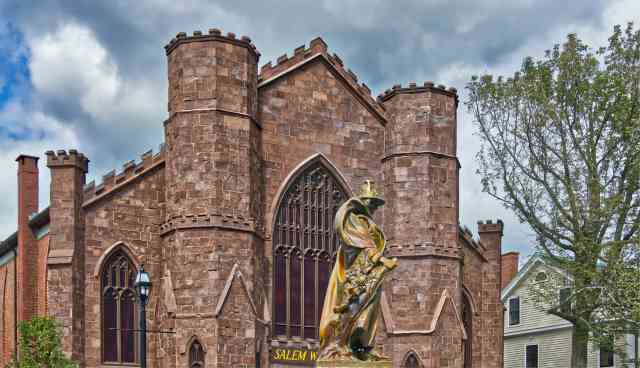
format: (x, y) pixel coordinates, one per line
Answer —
(354, 364)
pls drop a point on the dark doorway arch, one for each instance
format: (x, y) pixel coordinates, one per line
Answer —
(467, 321)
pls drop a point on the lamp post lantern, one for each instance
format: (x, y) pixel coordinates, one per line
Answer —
(143, 287)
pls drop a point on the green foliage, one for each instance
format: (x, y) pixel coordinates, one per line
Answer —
(561, 148)
(40, 345)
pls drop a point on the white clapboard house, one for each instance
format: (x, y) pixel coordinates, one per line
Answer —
(536, 339)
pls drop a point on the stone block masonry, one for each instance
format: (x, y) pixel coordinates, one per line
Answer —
(202, 211)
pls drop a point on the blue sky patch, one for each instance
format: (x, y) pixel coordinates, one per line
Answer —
(15, 78)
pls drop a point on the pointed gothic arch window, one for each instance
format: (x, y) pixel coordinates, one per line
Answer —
(412, 361)
(196, 355)
(304, 243)
(119, 310)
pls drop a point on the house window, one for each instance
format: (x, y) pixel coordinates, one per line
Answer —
(196, 355)
(531, 356)
(565, 303)
(606, 354)
(119, 310)
(305, 243)
(514, 311)
(541, 276)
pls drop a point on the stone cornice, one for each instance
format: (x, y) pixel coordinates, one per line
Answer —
(211, 220)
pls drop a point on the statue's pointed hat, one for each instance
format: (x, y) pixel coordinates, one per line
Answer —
(367, 191)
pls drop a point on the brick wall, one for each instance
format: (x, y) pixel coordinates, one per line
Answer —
(509, 267)
(27, 245)
(8, 272)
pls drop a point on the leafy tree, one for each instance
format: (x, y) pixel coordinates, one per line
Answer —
(40, 346)
(561, 148)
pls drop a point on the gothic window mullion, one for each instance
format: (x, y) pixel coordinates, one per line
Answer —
(303, 235)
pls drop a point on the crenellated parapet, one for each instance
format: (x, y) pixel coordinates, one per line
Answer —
(318, 49)
(214, 34)
(413, 87)
(73, 158)
(489, 226)
(130, 171)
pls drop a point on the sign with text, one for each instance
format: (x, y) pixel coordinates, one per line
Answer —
(293, 356)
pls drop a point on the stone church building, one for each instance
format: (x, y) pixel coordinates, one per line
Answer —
(233, 220)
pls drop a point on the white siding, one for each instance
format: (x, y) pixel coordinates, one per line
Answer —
(531, 315)
(552, 349)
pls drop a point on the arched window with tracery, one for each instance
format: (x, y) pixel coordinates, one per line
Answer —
(412, 361)
(119, 310)
(196, 355)
(304, 243)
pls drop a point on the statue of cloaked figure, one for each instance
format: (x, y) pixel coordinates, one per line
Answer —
(352, 302)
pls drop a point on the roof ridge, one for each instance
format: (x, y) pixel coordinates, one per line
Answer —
(317, 46)
(130, 169)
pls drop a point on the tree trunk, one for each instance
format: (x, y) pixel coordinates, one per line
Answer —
(579, 346)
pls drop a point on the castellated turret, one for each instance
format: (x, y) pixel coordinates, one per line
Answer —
(213, 189)
(420, 170)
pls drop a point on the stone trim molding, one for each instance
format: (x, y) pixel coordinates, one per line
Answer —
(211, 220)
(185, 347)
(119, 245)
(235, 273)
(213, 109)
(444, 298)
(415, 354)
(472, 301)
(60, 257)
(334, 67)
(421, 250)
(420, 153)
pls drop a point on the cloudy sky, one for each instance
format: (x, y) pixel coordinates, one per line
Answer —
(92, 75)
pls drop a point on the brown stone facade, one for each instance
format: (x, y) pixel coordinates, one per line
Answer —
(200, 214)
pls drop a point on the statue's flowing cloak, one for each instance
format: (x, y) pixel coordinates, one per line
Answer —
(357, 231)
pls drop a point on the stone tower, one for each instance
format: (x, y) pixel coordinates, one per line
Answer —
(213, 219)
(421, 219)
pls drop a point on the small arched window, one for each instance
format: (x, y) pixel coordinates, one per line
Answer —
(412, 361)
(541, 276)
(196, 355)
(119, 310)
(304, 243)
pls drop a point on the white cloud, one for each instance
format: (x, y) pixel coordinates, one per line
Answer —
(71, 62)
(18, 119)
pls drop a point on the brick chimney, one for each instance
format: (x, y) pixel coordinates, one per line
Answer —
(509, 267)
(27, 247)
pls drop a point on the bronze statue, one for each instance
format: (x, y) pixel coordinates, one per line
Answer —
(352, 302)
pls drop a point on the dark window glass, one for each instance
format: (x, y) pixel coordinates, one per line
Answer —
(304, 242)
(196, 355)
(119, 310)
(606, 354)
(541, 276)
(514, 311)
(110, 325)
(532, 356)
(467, 320)
(565, 303)
(412, 361)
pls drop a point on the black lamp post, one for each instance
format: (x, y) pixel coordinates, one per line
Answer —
(143, 287)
